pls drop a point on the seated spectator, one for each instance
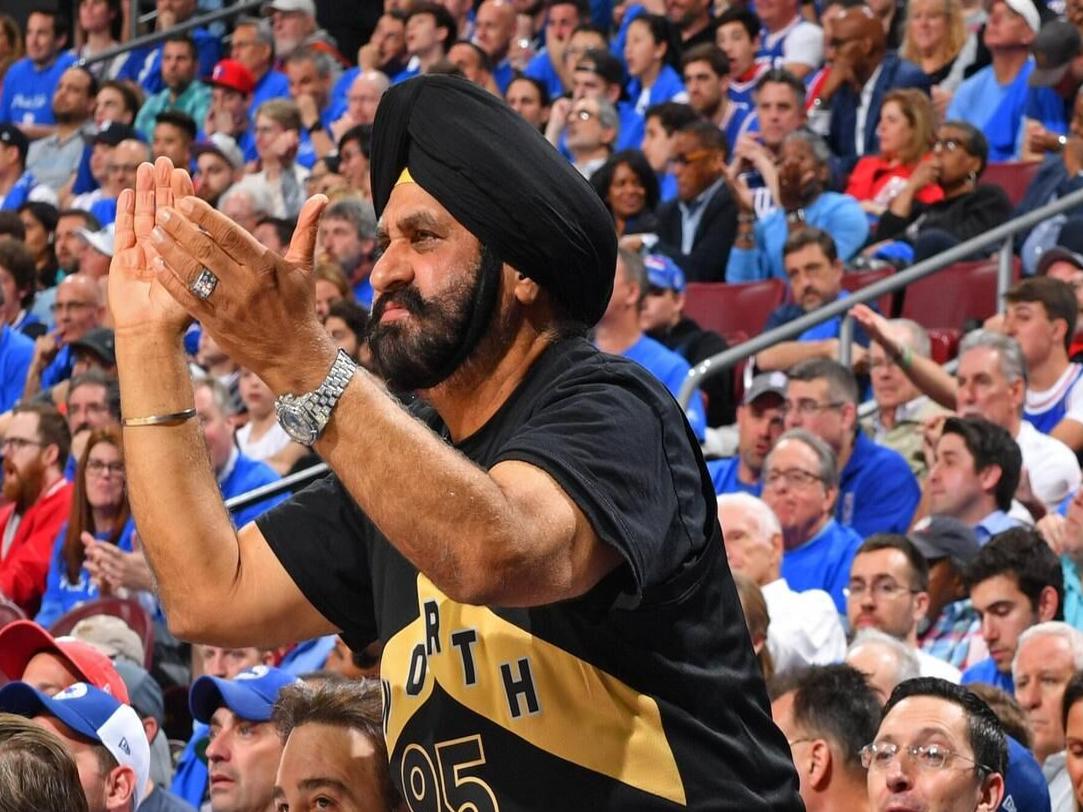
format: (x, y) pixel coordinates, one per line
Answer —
(37, 768)
(78, 309)
(884, 661)
(117, 102)
(430, 30)
(362, 98)
(901, 408)
(39, 222)
(964, 727)
(1064, 261)
(206, 45)
(174, 133)
(98, 253)
(120, 172)
(1015, 582)
(597, 75)
(696, 230)
(974, 475)
(182, 89)
(1072, 718)
(876, 491)
(26, 98)
(28, 653)
(994, 98)
(1053, 87)
(788, 40)
(663, 319)
(474, 64)
(103, 734)
(803, 200)
(244, 748)
(262, 438)
(592, 127)
(663, 122)
(805, 628)
(759, 425)
(706, 73)
(889, 591)
(967, 208)
(101, 149)
(18, 282)
(737, 33)
(311, 75)
(620, 332)
(333, 739)
(629, 189)
(246, 202)
(650, 54)
(528, 98)
(275, 233)
(800, 485)
(231, 86)
(347, 235)
(1046, 657)
(494, 27)
(278, 127)
(17, 183)
(550, 65)
(53, 159)
(353, 159)
(252, 44)
(219, 164)
(346, 322)
(906, 133)
(36, 443)
(828, 714)
(937, 41)
(16, 356)
(862, 68)
(331, 287)
(757, 620)
(92, 398)
(951, 629)
(100, 27)
(99, 510)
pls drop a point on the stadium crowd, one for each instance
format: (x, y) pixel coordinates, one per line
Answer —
(907, 541)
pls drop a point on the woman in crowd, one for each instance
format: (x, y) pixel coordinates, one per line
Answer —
(754, 607)
(39, 220)
(1073, 734)
(99, 27)
(18, 285)
(938, 42)
(529, 98)
(99, 512)
(262, 438)
(906, 133)
(967, 208)
(650, 53)
(278, 137)
(630, 191)
(11, 44)
(331, 286)
(116, 101)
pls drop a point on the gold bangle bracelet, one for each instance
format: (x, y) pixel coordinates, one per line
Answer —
(160, 419)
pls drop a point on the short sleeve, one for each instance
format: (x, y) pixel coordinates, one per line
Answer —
(323, 540)
(625, 456)
(805, 45)
(1074, 404)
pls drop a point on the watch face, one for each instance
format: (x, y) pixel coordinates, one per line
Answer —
(298, 425)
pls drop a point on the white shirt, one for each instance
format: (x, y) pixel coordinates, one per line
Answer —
(266, 446)
(805, 628)
(863, 110)
(1055, 770)
(803, 43)
(1051, 465)
(931, 666)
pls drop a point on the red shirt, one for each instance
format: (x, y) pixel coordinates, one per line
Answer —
(872, 177)
(24, 568)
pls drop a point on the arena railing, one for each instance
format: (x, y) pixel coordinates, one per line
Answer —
(1001, 235)
(155, 37)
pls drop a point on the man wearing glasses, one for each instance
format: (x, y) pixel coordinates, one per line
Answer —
(938, 747)
(38, 497)
(889, 591)
(800, 483)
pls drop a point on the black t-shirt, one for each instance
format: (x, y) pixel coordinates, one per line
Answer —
(643, 694)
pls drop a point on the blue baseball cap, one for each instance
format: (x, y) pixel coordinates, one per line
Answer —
(664, 273)
(1024, 785)
(251, 694)
(92, 713)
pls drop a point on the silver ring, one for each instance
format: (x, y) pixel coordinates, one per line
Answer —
(204, 284)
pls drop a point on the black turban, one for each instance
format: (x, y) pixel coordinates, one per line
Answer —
(503, 181)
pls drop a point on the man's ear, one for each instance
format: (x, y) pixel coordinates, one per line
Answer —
(120, 789)
(525, 289)
(1048, 603)
(819, 764)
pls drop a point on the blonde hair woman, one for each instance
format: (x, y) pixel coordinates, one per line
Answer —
(937, 41)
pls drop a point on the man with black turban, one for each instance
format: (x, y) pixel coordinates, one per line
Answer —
(534, 540)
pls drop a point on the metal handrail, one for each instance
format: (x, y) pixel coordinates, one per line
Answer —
(155, 37)
(247, 498)
(716, 364)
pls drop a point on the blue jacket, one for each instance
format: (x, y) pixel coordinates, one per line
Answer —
(16, 353)
(247, 474)
(877, 490)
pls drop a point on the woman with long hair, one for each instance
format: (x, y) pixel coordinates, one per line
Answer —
(938, 42)
(99, 512)
(99, 27)
(39, 220)
(651, 51)
(629, 189)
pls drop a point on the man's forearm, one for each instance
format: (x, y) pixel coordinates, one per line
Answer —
(932, 379)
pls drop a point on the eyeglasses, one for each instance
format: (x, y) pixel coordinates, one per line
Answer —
(121, 168)
(947, 144)
(793, 477)
(879, 755)
(99, 468)
(807, 408)
(690, 158)
(881, 589)
(582, 115)
(19, 443)
(67, 307)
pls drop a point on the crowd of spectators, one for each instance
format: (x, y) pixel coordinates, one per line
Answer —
(907, 540)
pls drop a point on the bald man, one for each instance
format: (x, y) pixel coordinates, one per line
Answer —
(494, 27)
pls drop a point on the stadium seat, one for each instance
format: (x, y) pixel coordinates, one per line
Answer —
(733, 309)
(944, 344)
(128, 610)
(1013, 177)
(856, 281)
(951, 297)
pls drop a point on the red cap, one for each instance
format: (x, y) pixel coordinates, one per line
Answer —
(21, 640)
(231, 74)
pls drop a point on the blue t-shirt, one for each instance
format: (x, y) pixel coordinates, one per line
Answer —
(246, 475)
(823, 562)
(725, 480)
(28, 91)
(60, 368)
(16, 353)
(541, 68)
(877, 490)
(362, 292)
(997, 110)
(986, 671)
(1046, 105)
(190, 776)
(273, 85)
(61, 595)
(671, 369)
(208, 47)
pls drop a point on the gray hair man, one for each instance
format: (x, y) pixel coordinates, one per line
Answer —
(592, 128)
(884, 660)
(347, 235)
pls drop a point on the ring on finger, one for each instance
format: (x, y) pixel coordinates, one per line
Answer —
(204, 284)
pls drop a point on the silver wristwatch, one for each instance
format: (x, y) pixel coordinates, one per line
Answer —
(304, 417)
